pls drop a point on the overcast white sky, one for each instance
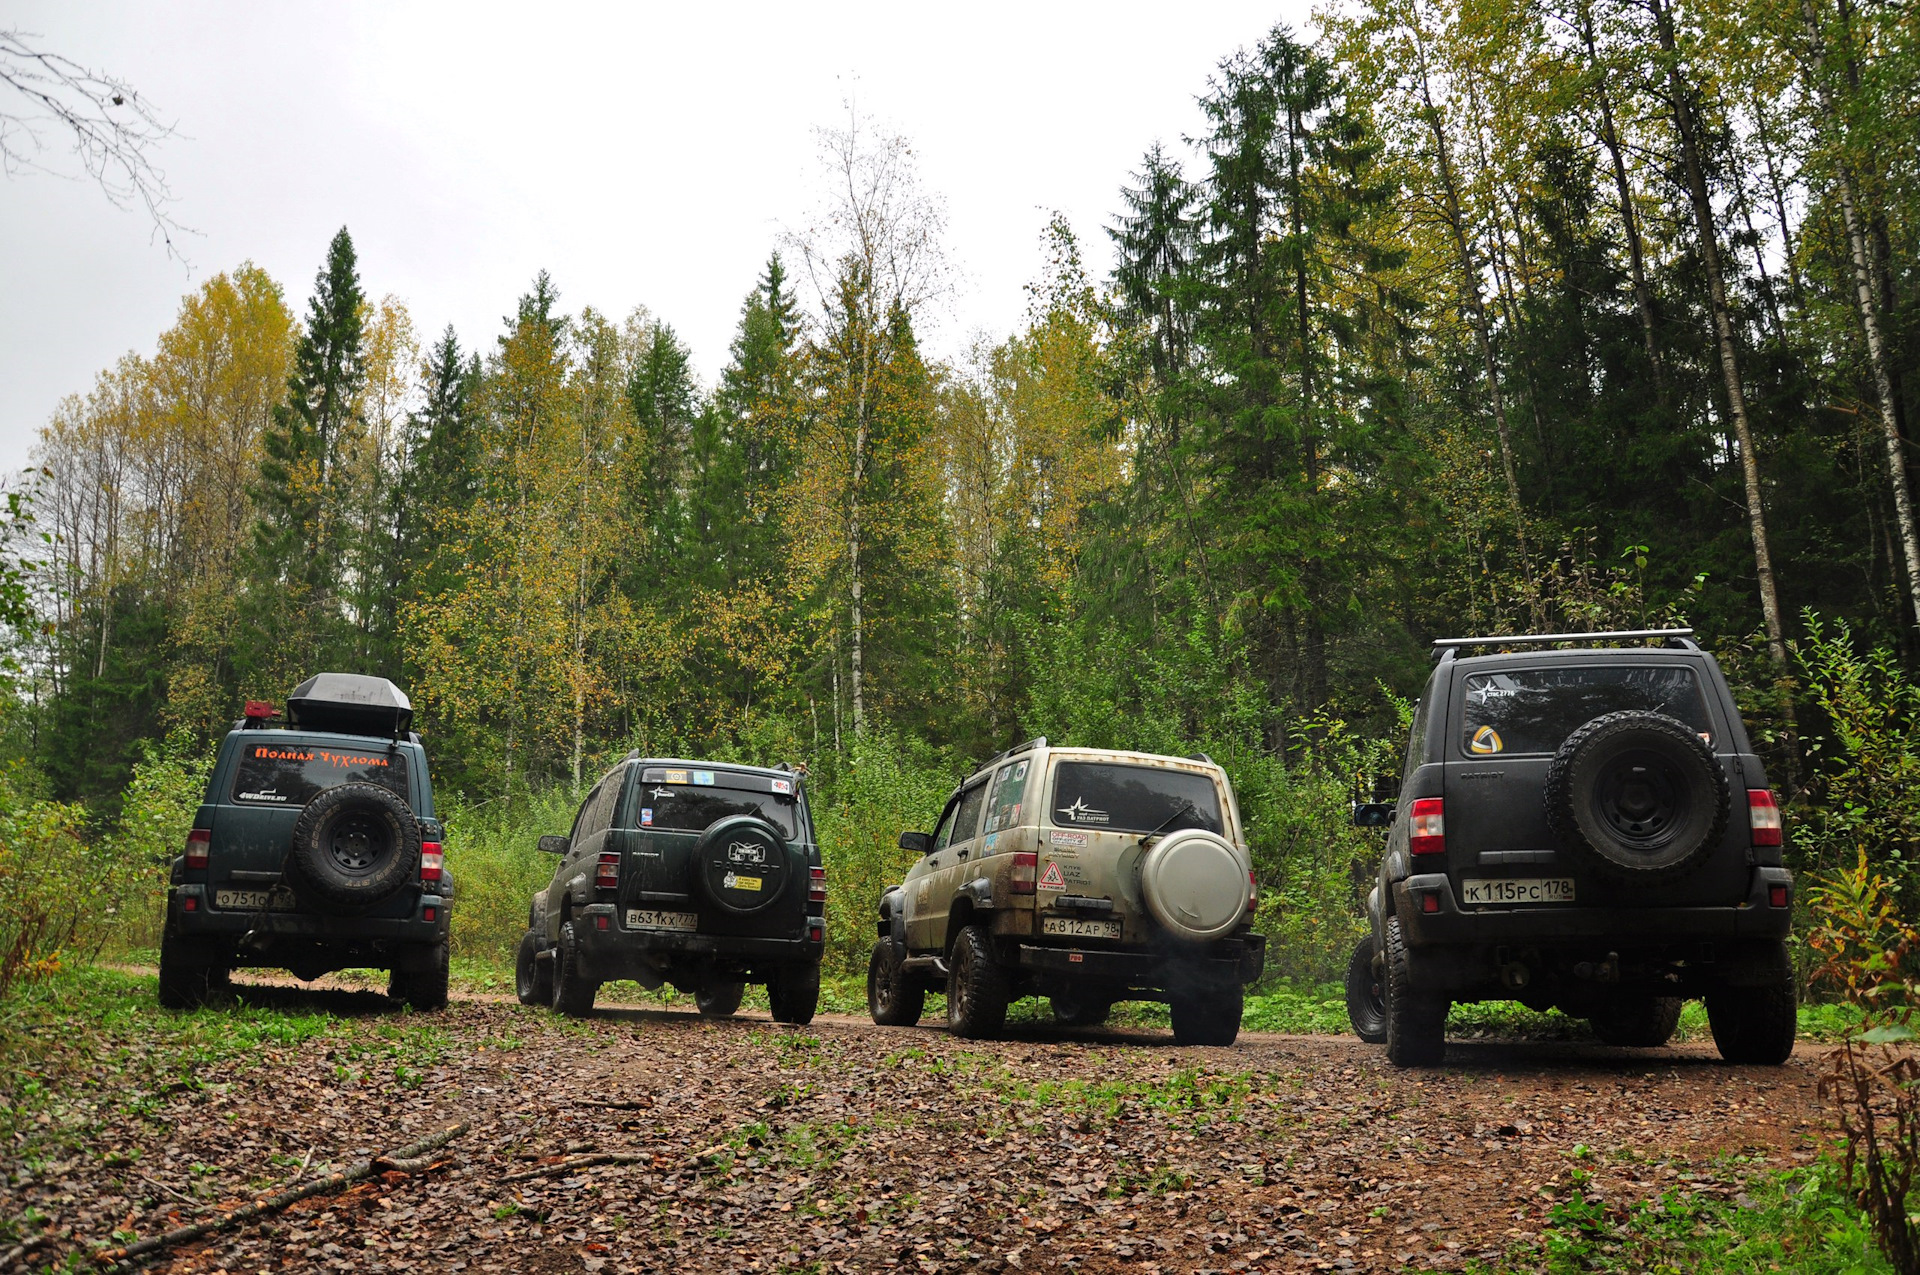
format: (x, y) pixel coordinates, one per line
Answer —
(643, 154)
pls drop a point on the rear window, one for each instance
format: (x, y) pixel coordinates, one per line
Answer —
(686, 808)
(278, 774)
(1119, 798)
(1534, 710)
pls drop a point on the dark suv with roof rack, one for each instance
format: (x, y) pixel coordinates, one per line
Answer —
(705, 875)
(1584, 828)
(315, 849)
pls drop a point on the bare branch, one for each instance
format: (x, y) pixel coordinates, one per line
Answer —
(107, 125)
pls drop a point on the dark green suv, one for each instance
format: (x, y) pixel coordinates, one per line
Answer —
(702, 874)
(314, 849)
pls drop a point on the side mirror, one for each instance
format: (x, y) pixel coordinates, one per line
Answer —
(918, 842)
(554, 845)
(1372, 814)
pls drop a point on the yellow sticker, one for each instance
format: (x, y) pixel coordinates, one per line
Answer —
(675, 777)
(1485, 740)
(733, 882)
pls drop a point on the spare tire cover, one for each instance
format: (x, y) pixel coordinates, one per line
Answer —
(1195, 884)
(353, 846)
(742, 863)
(1637, 797)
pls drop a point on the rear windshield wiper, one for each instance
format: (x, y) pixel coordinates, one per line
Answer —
(1186, 807)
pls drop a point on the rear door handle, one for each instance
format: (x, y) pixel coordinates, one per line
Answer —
(963, 854)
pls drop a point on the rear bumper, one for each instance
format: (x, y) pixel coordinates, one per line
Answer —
(296, 939)
(1235, 960)
(614, 952)
(1452, 924)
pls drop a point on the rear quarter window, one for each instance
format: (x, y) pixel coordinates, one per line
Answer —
(272, 773)
(1534, 710)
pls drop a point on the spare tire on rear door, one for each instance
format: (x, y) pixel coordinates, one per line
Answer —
(1195, 884)
(353, 846)
(1638, 797)
(741, 862)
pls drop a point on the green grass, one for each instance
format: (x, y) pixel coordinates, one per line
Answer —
(1799, 1220)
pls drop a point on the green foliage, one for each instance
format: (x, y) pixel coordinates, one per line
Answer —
(1868, 765)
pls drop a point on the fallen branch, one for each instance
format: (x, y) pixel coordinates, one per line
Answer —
(621, 1104)
(408, 1159)
(581, 1162)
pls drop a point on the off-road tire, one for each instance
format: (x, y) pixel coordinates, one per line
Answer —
(423, 990)
(353, 846)
(1416, 1020)
(1208, 1018)
(532, 977)
(977, 990)
(572, 994)
(1754, 1026)
(186, 975)
(793, 994)
(1637, 1021)
(1668, 836)
(1073, 1009)
(719, 1000)
(895, 998)
(1366, 995)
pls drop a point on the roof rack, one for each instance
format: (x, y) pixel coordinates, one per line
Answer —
(1038, 741)
(1446, 648)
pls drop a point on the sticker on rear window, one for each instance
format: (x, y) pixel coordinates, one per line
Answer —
(783, 785)
(646, 816)
(676, 777)
(1485, 740)
(703, 777)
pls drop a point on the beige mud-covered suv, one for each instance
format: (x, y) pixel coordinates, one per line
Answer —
(1089, 876)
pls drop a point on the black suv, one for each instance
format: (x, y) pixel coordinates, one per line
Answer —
(1586, 829)
(702, 874)
(314, 849)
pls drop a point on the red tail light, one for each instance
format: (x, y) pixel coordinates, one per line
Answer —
(197, 843)
(1026, 865)
(607, 875)
(815, 933)
(816, 885)
(432, 862)
(1777, 896)
(1763, 817)
(1427, 826)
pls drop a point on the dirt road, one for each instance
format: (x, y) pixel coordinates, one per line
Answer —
(753, 1147)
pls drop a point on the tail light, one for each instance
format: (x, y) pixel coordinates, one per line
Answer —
(1763, 817)
(1427, 826)
(432, 862)
(816, 933)
(198, 842)
(816, 885)
(1026, 865)
(607, 875)
(1778, 896)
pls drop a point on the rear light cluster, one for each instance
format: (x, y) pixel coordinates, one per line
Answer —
(197, 843)
(1026, 866)
(607, 875)
(432, 862)
(816, 885)
(1427, 826)
(1763, 818)
(1778, 896)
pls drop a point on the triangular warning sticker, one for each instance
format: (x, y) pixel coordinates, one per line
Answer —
(1051, 879)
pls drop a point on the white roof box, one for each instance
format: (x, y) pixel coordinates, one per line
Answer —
(351, 703)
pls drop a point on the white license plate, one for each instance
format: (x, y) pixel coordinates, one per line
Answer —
(253, 900)
(1074, 927)
(646, 919)
(1520, 890)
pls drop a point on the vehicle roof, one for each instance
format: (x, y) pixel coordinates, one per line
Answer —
(1594, 654)
(309, 732)
(1170, 761)
(774, 772)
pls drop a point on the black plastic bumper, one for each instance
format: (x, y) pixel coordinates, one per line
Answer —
(204, 921)
(1237, 960)
(1451, 924)
(609, 951)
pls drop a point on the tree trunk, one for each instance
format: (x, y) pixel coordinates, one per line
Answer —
(1703, 218)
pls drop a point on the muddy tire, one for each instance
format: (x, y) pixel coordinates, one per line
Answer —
(532, 977)
(895, 998)
(1416, 1020)
(1754, 1026)
(719, 1000)
(187, 975)
(1637, 1022)
(1208, 1018)
(793, 994)
(977, 988)
(1077, 1009)
(572, 993)
(424, 990)
(1366, 995)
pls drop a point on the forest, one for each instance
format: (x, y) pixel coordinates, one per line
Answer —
(1457, 316)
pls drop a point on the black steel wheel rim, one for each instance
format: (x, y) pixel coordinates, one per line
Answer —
(1642, 799)
(357, 844)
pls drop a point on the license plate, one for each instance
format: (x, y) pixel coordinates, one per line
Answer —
(1074, 927)
(253, 900)
(646, 919)
(1519, 890)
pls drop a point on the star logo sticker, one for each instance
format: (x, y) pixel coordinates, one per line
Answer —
(1081, 812)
